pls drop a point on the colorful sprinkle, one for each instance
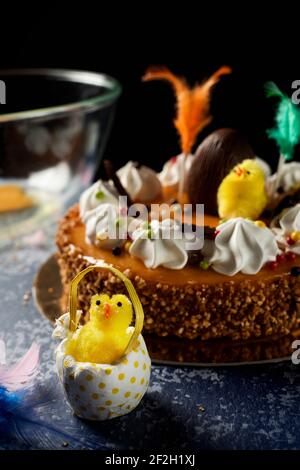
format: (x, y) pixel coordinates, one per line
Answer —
(144, 225)
(123, 211)
(260, 224)
(116, 251)
(295, 236)
(99, 195)
(150, 233)
(127, 246)
(204, 265)
(102, 236)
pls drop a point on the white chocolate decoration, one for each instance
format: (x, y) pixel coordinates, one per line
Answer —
(241, 246)
(171, 172)
(141, 183)
(102, 391)
(160, 244)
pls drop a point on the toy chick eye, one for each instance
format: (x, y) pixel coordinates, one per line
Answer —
(98, 302)
(119, 304)
(248, 172)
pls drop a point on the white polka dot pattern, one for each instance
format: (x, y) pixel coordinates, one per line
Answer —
(103, 391)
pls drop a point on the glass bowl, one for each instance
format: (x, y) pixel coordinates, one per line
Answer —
(54, 125)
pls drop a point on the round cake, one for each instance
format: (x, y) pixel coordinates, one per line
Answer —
(190, 303)
(242, 281)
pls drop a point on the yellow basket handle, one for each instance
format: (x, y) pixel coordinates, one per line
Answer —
(137, 306)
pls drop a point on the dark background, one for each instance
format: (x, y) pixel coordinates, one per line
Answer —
(125, 39)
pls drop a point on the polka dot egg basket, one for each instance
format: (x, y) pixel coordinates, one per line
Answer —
(103, 391)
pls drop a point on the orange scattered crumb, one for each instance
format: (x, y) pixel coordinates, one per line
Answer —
(13, 198)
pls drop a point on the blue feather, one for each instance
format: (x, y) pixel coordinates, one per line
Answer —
(9, 402)
(20, 421)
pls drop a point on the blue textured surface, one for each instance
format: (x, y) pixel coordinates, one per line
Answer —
(254, 407)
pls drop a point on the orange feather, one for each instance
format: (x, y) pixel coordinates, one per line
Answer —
(193, 104)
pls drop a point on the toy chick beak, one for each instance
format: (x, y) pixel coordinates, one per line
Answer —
(107, 311)
(239, 171)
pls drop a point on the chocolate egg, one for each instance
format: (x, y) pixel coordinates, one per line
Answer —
(215, 157)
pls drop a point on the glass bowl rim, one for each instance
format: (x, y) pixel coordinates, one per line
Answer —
(113, 91)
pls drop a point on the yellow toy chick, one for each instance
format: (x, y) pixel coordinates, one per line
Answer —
(242, 192)
(104, 338)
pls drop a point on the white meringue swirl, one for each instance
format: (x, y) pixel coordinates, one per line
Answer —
(141, 183)
(101, 192)
(160, 244)
(104, 227)
(290, 220)
(241, 246)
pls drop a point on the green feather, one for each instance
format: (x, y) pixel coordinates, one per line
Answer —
(272, 89)
(287, 130)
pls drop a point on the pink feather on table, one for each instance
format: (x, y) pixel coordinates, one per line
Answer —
(19, 375)
(2, 353)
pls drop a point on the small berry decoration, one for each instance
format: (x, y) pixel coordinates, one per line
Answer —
(272, 265)
(290, 256)
(290, 241)
(281, 257)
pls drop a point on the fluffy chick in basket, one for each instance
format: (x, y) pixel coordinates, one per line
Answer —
(242, 192)
(104, 338)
